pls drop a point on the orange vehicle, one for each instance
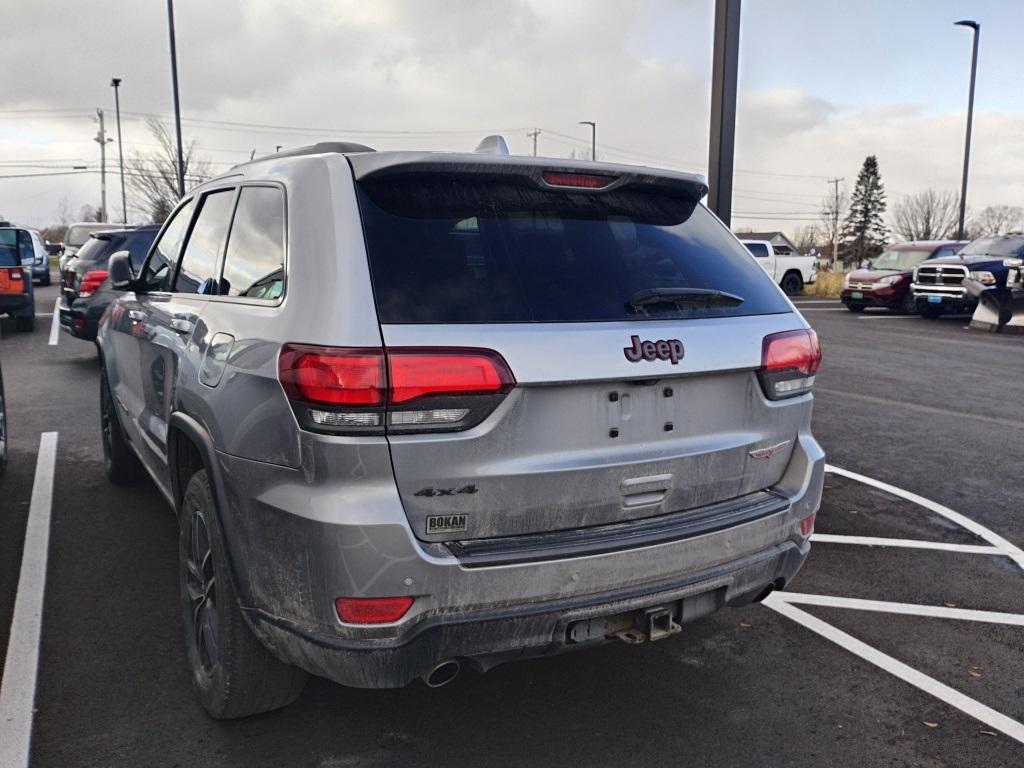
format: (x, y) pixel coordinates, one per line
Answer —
(16, 297)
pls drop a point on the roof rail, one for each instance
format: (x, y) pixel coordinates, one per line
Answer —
(320, 148)
(492, 145)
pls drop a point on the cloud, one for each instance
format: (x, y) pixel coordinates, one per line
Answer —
(447, 71)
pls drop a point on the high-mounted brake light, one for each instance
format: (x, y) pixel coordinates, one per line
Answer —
(372, 610)
(789, 361)
(578, 180)
(93, 279)
(405, 389)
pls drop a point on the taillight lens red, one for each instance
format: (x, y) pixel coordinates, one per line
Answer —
(333, 376)
(578, 180)
(807, 525)
(408, 389)
(372, 610)
(419, 373)
(92, 280)
(789, 361)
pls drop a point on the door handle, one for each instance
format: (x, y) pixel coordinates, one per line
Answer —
(181, 325)
(137, 315)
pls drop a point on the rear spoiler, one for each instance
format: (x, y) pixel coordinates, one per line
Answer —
(529, 171)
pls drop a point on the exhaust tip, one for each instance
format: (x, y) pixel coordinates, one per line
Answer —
(442, 673)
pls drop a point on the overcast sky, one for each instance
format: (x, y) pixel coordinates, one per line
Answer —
(822, 84)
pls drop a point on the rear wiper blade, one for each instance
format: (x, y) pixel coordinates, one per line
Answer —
(698, 297)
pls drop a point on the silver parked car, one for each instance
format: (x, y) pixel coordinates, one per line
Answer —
(422, 411)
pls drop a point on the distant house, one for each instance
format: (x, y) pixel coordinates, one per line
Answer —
(780, 243)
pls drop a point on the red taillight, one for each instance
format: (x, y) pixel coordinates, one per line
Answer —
(807, 525)
(15, 274)
(372, 610)
(333, 376)
(789, 361)
(408, 389)
(418, 373)
(92, 280)
(578, 180)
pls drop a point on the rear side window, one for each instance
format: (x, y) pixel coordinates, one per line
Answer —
(495, 252)
(254, 260)
(9, 248)
(198, 268)
(165, 254)
(760, 250)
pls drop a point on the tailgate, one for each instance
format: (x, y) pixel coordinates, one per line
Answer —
(588, 438)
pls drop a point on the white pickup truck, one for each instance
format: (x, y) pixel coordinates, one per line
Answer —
(791, 271)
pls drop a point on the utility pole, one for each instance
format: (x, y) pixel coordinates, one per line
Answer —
(115, 83)
(970, 121)
(102, 140)
(593, 137)
(533, 135)
(177, 103)
(724, 67)
(835, 221)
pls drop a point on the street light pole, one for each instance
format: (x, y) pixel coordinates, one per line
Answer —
(102, 140)
(593, 137)
(177, 104)
(115, 82)
(970, 122)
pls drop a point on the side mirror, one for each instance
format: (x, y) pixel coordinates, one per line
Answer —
(120, 269)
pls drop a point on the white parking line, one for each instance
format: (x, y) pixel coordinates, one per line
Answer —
(930, 685)
(55, 324)
(18, 690)
(887, 317)
(873, 541)
(1007, 548)
(822, 309)
(905, 609)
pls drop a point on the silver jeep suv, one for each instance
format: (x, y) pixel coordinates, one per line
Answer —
(423, 411)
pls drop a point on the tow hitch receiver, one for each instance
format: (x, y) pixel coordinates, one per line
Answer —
(634, 627)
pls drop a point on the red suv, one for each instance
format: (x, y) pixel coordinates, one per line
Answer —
(886, 281)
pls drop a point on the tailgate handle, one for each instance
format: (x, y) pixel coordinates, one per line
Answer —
(638, 491)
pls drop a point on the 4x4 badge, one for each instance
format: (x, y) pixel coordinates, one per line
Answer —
(662, 349)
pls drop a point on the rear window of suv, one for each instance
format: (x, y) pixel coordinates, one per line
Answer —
(493, 252)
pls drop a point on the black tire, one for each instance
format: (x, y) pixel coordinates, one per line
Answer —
(855, 307)
(233, 675)
(119, 461)
(25, 324)
(908, 305)
(929, 313)
(792, 283)
(45, 280)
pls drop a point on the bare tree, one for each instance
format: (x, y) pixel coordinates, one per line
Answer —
(833, 211)
(152, 176)
(928, 215)
(89, 213)
(807, 237)
(997, 220)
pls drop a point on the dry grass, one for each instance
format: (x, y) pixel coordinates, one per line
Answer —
(827, 284)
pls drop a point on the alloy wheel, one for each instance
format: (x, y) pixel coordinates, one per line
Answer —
(201, 587)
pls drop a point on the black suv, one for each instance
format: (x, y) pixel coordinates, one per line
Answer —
(84, 286)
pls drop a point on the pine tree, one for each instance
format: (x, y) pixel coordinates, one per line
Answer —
(863, 230)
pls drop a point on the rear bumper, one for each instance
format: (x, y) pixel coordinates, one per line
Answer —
(16, 304)
(77, 320)
(487, 637)
(299, 539)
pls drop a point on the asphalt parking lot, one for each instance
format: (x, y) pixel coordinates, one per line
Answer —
(825, 676)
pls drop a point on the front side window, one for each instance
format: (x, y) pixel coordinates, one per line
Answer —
(165, 253)
(198, 270)
(254, 261)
